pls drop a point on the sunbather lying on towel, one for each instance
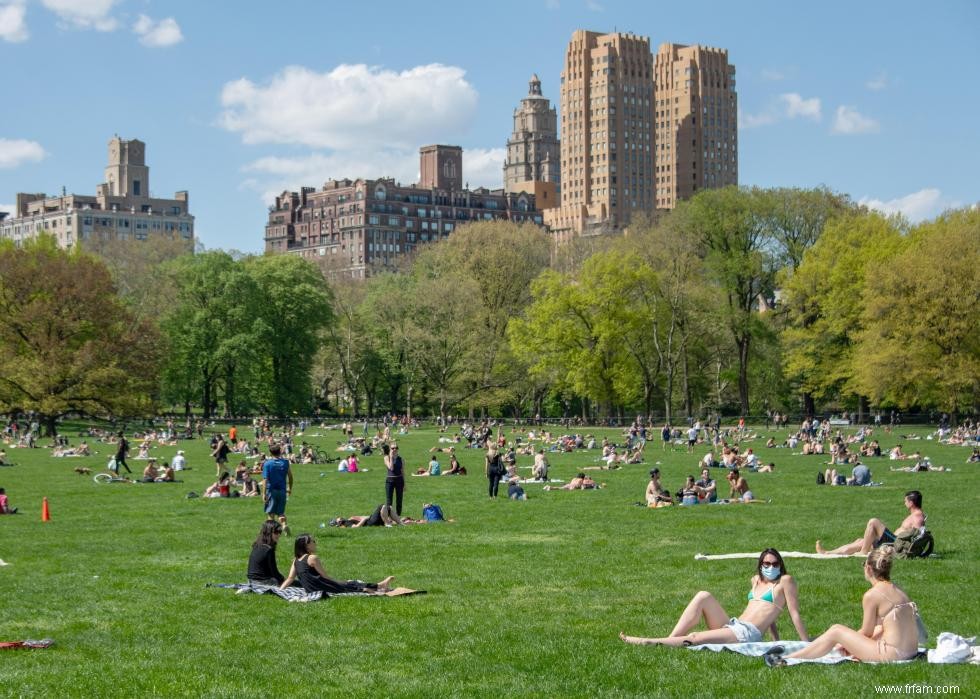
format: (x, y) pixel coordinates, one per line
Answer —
(772, 590)
(889, 631)
(309, 571)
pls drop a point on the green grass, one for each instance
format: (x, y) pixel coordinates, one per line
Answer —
(525, 598)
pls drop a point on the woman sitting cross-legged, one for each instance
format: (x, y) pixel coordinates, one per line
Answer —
(772, 590)
(891, 627)
(309, 571)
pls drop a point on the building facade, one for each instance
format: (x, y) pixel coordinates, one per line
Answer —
(638, 132)
(121, 209)
(696, 122)
(353, 228)
(533, 151)
(606, 133)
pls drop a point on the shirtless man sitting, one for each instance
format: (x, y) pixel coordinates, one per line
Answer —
(877, 534)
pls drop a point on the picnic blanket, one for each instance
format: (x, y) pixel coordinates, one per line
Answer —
(784, 554)
(13, 645)
(759, 648)
(298, 594)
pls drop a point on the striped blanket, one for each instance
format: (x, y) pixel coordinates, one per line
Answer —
(298, 594)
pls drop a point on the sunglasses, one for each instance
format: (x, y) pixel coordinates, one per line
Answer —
(770, 563)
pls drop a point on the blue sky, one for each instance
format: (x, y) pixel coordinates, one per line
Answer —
(239, 100)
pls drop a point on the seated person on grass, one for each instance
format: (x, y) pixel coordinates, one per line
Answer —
(454, 467)
(877, 534)
(860, 475)
(539, 471)
(740, 491)
(771, 591)
(5, 508)
(250, 487)
(706, 487)
(309, 571)
(688, 495)
(434, 469)
(221, 488)
(166, 474)
(890, 629)
(262, 568)
(656, 496)
(514, 490)
(150, 473)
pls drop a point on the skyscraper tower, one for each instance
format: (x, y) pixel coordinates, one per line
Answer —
(532, 163)
(606, 133)
(696, 118)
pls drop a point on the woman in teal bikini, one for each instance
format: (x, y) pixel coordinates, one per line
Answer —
(891, 629)
(772, 590)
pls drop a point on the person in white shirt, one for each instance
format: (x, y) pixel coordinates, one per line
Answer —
(179, 462)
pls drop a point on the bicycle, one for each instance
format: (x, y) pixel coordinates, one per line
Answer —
(111, 478)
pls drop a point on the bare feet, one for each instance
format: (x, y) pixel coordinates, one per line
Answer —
(820, 548)
(635, 640)
(385, 584)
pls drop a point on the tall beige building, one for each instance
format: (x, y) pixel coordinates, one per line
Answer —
(533, 151)
(696, 118)
(606, 133)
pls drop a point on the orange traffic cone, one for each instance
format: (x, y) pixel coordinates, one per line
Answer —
(45, 511)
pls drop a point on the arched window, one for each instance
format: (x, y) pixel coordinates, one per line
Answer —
(380, 193)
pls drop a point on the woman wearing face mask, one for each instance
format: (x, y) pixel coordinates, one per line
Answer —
(891, 629)
(772, 590)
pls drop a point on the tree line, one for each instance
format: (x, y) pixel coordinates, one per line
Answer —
(740, 300)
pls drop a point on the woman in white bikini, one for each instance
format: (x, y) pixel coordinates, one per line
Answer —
(771, 592)
(890, 630)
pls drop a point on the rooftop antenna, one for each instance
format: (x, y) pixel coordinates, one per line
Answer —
(64, 191)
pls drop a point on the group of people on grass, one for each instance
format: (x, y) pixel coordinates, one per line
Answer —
(891, 628)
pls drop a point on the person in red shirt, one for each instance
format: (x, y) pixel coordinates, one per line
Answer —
(5, 508)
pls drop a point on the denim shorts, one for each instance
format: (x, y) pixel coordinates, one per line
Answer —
(276, 502)
(744, 631)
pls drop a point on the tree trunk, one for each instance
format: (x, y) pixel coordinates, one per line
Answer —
(743, 374)
(50, 425)
(206, 398)
(809, 407)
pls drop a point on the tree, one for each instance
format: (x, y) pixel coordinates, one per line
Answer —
(823, 302)
(732, 228)
(919, 344)
(67, 342)
(208, 329)
(293, 311)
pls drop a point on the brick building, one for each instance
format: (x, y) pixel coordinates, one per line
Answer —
(352, 228)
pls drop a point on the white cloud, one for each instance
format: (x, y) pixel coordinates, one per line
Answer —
(789, 105)
(85, 14)
(595, 6)
(160, 34)
(13, 27)
(849, 121)
(9, 208)
(484, 167)
(917, 206)
(352, 106)
(772, 75)
(15, 152)
(796, 106)
(879, 82)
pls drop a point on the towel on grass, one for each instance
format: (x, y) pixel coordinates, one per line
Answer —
(759, 648)
(298, 594)
(784, 554)
(11, 645)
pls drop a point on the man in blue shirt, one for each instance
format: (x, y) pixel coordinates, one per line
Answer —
(277, 483)
(861, 475)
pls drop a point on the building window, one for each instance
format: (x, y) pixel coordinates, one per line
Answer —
(137, 188)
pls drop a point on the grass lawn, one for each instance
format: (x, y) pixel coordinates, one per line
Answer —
(524, 598)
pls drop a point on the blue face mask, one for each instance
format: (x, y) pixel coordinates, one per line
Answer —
(770, 572)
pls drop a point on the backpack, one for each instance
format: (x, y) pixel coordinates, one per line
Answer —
(432, 513)
(914, 544)
(821, 480)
